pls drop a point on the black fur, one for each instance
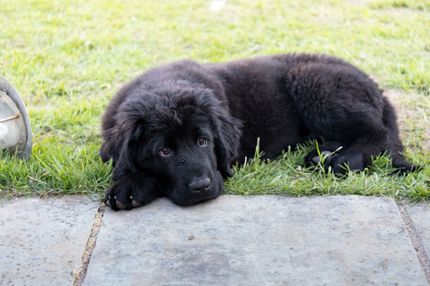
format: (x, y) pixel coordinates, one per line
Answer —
(210, 115)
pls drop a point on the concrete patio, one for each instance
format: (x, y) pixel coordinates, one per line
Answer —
(233, 240)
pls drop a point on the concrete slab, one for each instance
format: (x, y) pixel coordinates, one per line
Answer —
(42, 241)
(262, 240)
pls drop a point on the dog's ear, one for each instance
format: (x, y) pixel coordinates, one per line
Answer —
(127, 153)
(226, 141)
(120, 147)
(109, 150)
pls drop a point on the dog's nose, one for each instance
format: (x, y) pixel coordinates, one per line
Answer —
(200, 184)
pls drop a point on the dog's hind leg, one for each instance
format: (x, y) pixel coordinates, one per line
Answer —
(357, 156)
(338, 102)
(365, 137)
(373, 136)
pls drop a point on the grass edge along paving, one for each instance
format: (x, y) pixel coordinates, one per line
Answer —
(86, 174)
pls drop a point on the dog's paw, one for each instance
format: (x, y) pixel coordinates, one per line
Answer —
(323, 155)
(337, 162)
(343, 163)
(119, 197)
(313, 158)
(131, 192)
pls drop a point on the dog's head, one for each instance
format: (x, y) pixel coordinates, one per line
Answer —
(180, 135)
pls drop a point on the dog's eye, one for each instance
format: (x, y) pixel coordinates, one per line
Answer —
(165, 152)
(202, 141)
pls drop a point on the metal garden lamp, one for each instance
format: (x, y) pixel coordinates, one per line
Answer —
(15, 130)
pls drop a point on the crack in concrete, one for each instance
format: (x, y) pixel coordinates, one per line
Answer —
(80, 273)
(416, 241)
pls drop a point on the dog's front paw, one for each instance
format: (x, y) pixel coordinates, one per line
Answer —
(127, 194)
(119, 197)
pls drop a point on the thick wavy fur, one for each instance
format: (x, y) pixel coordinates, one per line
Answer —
(176, 130)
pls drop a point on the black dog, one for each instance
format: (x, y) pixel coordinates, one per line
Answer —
(175, 130)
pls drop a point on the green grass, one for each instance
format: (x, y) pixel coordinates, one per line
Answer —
(67, 59)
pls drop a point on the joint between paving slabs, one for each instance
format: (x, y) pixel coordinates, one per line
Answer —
(416, 241)
(80, 272)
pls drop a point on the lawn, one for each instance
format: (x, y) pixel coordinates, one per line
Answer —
(68, 58)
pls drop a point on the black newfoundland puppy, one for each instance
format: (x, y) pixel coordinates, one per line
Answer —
(176, 130)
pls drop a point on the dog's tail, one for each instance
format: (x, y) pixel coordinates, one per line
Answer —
(394, 146)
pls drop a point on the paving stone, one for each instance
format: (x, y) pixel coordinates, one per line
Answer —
(420, 215)
(42, 241)
(261, 240)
